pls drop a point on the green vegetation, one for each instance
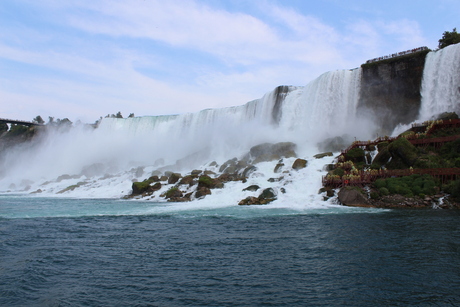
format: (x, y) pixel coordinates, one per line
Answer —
(403, 154)
(205, 181)
(16, 130)
(339, 171)
(141, 187)
(453, 188)
(408, 186)
(171, 192)
(3, 127)
(356, 155)
(39, 120)
(449, 38)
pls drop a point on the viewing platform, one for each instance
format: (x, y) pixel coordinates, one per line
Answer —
(398, 54)
(364, 177)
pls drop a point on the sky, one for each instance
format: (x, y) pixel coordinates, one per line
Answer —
(83, 59)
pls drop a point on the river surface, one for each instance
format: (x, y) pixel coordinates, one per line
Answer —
(73, 252)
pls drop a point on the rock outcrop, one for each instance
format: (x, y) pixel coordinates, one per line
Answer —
(353, 197)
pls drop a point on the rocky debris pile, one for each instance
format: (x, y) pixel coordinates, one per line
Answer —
(177, 187)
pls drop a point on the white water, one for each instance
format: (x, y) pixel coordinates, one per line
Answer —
(441, 82)
(104, 162)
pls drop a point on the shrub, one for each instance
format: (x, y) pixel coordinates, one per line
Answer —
(384, 191)
(339, 171)
(140, 187)
(356, 155)
(205, 181)
(374, 195)
(380, 183)
(171, 192)
(407, 186)
(16, 130)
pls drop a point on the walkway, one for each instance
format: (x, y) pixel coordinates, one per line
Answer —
(362, 178)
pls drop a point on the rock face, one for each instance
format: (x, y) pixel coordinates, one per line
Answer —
(390, 89)
(352, 197)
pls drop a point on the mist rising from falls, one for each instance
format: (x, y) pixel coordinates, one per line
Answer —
(303, 115)
(441, 82)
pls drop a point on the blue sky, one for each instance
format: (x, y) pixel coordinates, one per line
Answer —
(84, 59)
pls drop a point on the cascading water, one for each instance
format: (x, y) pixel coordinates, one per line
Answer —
(441, 82)
(103, 162)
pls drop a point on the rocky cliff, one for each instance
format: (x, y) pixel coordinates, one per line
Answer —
(390, 89)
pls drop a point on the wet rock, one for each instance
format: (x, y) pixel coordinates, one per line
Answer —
(323, 155)
(196, 172)
(278, 167)
(350, 196)
(275, 179)
(202, 192)
(252, 188)
(248, 171)
(174, 178)
(190, 180)
(299, 164)
(154, 178)
(268, 194)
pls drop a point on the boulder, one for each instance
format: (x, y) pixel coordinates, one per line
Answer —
(202, 192)
(144, 187)
(205, 181)
(248, 171)
(209, 173)
(252, 188)
(250, 200)
(154, 178)
(174, 178)
(353, 197)
(173, 193)
(268, 195)
(196, 172)
(299, 164)
(190, 180)
(323, 155)
(228, 166)
(278, 167)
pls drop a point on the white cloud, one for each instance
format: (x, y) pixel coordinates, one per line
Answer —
(107, 56)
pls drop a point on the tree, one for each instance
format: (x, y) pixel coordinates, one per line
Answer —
(449, 38)
(39, 120)
(3, 127)
(119, 115)
(131, 115)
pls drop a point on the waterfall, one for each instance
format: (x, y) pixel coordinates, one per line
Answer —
(122, 148)
(326, 106)
(440, 84)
